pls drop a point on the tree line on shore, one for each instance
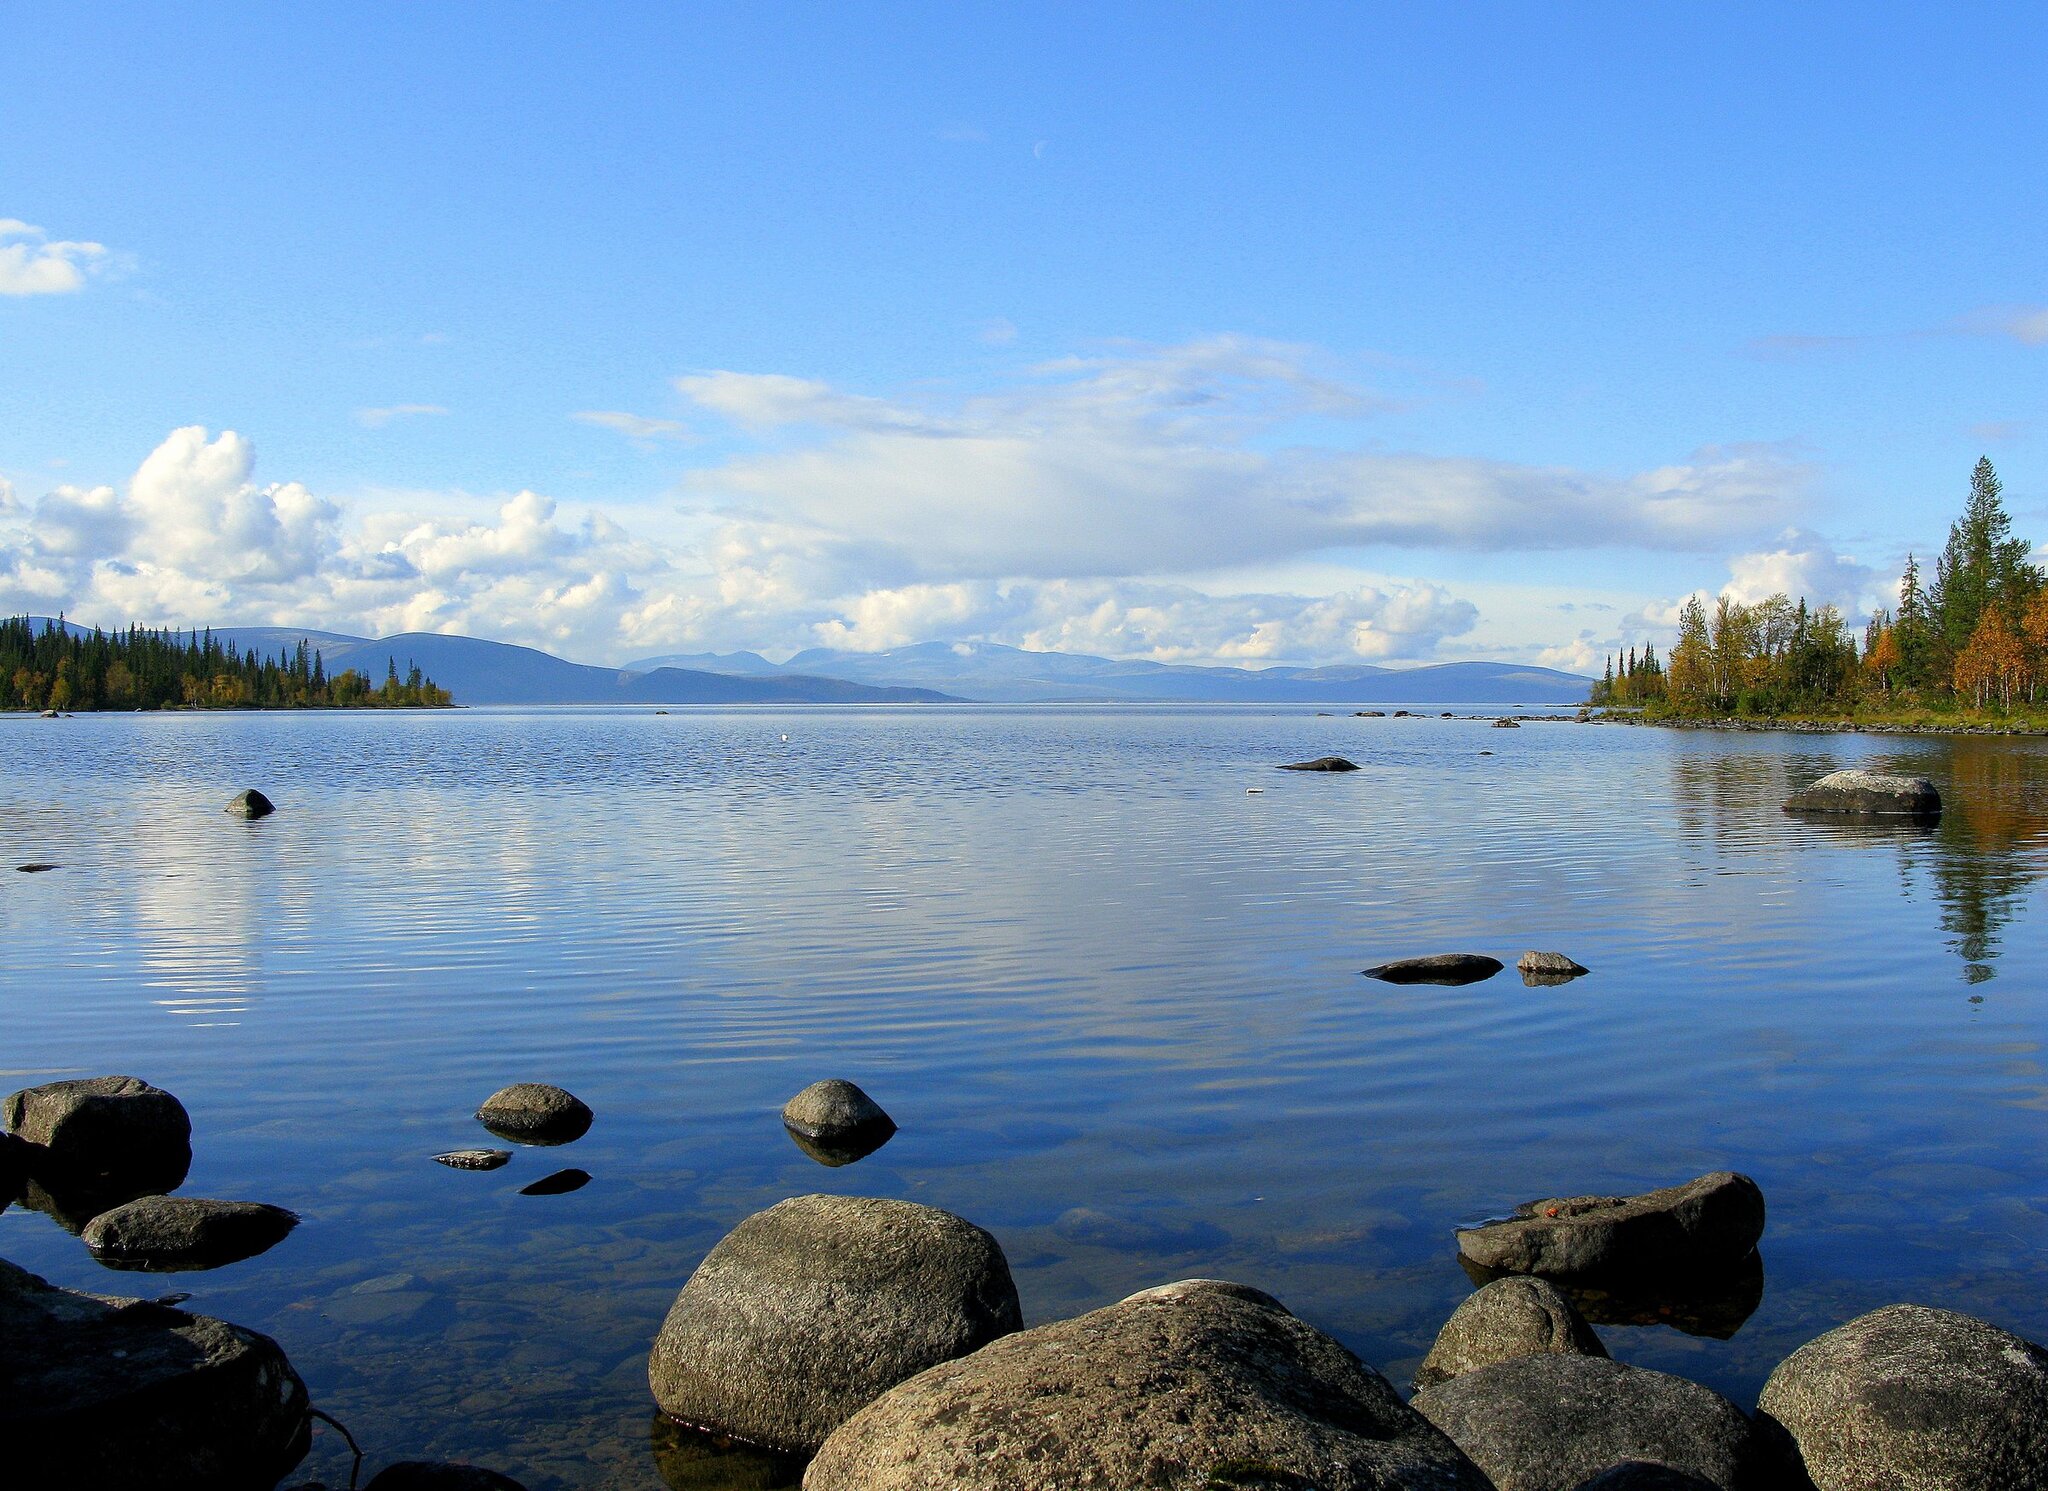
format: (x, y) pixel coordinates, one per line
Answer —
(1974, 637)
(58, 668)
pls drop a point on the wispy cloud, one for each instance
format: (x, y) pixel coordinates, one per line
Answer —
(33, 263)
(376, 419)
(637, 427)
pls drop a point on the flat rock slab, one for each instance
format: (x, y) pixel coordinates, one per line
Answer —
(175, 1233)
(1706, 1224)
(807, 1311)
(111, 1137)
(1550, 1423)
(1868, 794)
(99, 1392)
(1437, 968)
(474, 1159)
(1321, 763)
(1909, 1398)
(1199, 1384)
(1508, 1318)
(535, 1113)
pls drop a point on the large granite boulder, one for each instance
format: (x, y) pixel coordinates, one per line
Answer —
(1868, 794)
(102, 1137)
(1508, 1318)
(1436, 968)
(1909, 1398)
(121, 1393)
(810, 1309)
(535, 1113)
(1199, 1384)
(1708, 1224)
(1550, 1423)
(166, 1234)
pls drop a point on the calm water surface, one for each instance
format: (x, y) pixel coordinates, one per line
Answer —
(1111, 997)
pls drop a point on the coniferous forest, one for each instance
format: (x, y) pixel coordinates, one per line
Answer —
(1970, 639)
(56, 668)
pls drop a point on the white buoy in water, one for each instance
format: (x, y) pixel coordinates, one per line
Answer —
(785, 737)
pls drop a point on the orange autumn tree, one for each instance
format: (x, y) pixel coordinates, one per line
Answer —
(1994, 660)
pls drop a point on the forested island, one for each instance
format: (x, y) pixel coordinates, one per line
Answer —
(62, 669)
(1969, 646)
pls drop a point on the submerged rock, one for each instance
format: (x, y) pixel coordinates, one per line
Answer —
(439, 1475)
(1868, 794)
(806, 1311)
(1549, 965)
(1321, 763)
(121, 1393)
(1916, 1399)
(1549, 1423)
(249, 803)
(690, 1460)
(836, 1115)
(37, 868)
(166, 1234)
(101, 1138)
(1508, 1318)
(535, 1113)
(561, 1183)
(1437, 968)
(1711, 1223)
(1698, 1302)
(1197, 1384)
(474, 1159)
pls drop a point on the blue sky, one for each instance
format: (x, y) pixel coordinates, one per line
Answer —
(1260, 334)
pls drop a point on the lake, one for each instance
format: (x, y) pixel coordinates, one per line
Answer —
(1111, 997)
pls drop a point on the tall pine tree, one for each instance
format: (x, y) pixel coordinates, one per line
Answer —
(1982, 566)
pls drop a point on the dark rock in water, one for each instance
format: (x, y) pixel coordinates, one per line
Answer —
(1548, 966)
(170, 1234)
(1197, 1384)
(34, 869)
(1437, 968)
(474, 1159)
(439, 1475)
(14, 1154)
(1447, 715)
(1402, 714)
(250, 803)
(122, 1393)
(1918, 1399)
(858, 1147)
(1709, 1224)
(1549, 1423)
(561, 1183)
(806, 1311)
(1368, 714)
(1712, 1302)
(1322, 763)
(1868, 794)
(691, 1460)
(837, 1113)
(1643, 1475)
(106, 1138)
(1508, 1318)
(535, 1113)
(1504, 723)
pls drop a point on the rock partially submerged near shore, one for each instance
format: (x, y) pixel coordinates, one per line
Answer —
(807, 1311)
(1706, 1225)
(535, 1113)
(1915, 1399)
(1551, 1422)
(1321, 763)
(167, 1234)
(1198, 1384)
(100, 1139)
(1507, 722)
(1436, 968)
(836, 1123)
(1697, 1302)
(1549, 968)
(249, 803)
(1510, 1317)
(1868, 794)
(439, 1475)
(122, 1393)
(474, 1159)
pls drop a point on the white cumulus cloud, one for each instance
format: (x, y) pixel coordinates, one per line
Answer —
(33, 263)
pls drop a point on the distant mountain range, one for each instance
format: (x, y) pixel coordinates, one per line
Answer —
(480, 672)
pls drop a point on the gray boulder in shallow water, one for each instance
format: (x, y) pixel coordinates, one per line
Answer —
(1868, 794)
(439, 1475)
(1915, 1399)
(1199, 1384)
(1321, 763)
(808, 1310)
(119, 1393)
(535, 1113)
(1508, 1318)
(1550, 1423)
(250, 803)
(474, 1159)
(836, 1123)
(1705, 1225)
(172, 1233)
(1549, 965)
(1437, 968)
(103, 1136)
